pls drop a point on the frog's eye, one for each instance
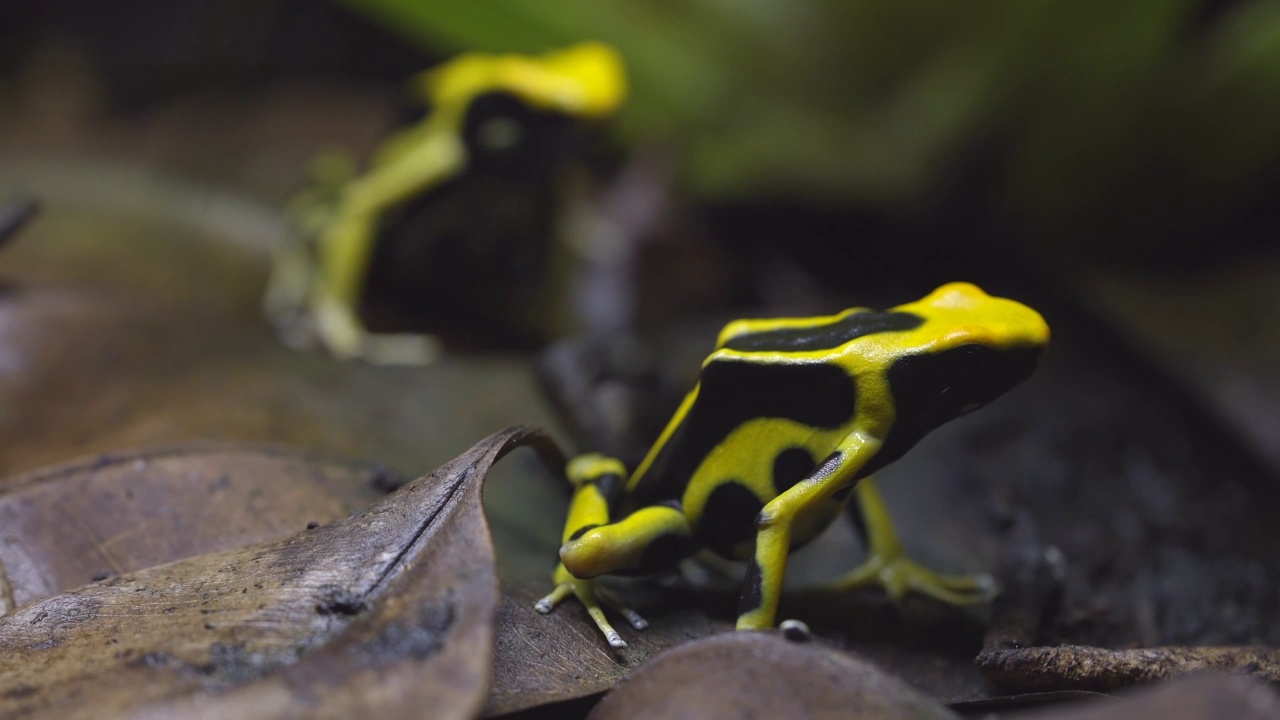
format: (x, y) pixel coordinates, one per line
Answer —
(968, 361)
(499, 134)
(506, 137)
(497, 123)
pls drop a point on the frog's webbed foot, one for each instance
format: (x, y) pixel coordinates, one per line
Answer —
(887, 565)
(345, 337)
(899, 574)
(595, 598)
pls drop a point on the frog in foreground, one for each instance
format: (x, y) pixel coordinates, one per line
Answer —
(789, 419)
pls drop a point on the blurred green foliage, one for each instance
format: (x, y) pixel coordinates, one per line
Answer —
(1114, 112)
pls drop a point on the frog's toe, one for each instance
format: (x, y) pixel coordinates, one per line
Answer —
(610, 634)
(901, 575)
(956, 589)
(953, 589)
(980, 583)
(553, 598)
(592, 599)
(634, 618)
(611, 600)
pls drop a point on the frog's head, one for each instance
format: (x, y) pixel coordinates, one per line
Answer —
(524, 115)
(971, 349)
(587, 80)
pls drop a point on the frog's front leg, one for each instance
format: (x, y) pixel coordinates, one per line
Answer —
(888, 566)
(346, 246)
(594, 598)
(594, 544)
(762, 587)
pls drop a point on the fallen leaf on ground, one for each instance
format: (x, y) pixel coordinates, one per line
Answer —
(541, 659)
(388, 611)
(113, 514)
(761, 675)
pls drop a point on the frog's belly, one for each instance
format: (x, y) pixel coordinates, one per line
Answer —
(753, 465)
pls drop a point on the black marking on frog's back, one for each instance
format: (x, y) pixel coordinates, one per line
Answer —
(612, 488)
(728, 518)
(825, 337)
(732, 392)
(790, 467)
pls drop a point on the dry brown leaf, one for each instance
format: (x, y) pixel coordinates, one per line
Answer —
(114, 514)
(540, 659)
(760, 675)
(388, 610)
(1207, 697)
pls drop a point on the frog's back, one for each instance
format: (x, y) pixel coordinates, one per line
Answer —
(730, 395)
(763, 399)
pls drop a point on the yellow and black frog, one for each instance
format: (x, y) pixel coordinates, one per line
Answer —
(788, 420)
(469, 192)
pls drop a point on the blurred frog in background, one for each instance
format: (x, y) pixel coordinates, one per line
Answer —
(455, 212)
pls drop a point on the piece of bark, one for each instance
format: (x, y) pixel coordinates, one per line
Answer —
(760, 675)
(388, 611)
(1031, 574)
(14, 214)
(1092, 668)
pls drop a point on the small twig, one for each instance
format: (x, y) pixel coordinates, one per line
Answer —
(1093, 668)
(6, 593)
(14, 214)
(568, 372)
(1032, 574)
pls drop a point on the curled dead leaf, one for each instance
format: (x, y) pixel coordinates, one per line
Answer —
(114, 514)
(388, 610)
(1094, 668)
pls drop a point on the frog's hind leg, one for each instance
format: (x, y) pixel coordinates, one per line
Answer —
(888, 566)
(594, 543)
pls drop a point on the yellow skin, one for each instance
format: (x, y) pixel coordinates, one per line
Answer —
(788, 420)
(584, 81)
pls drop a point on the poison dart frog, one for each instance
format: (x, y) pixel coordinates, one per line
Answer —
(788, 420)
(506, 119)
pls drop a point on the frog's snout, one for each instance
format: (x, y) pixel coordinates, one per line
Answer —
(1036, 329)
